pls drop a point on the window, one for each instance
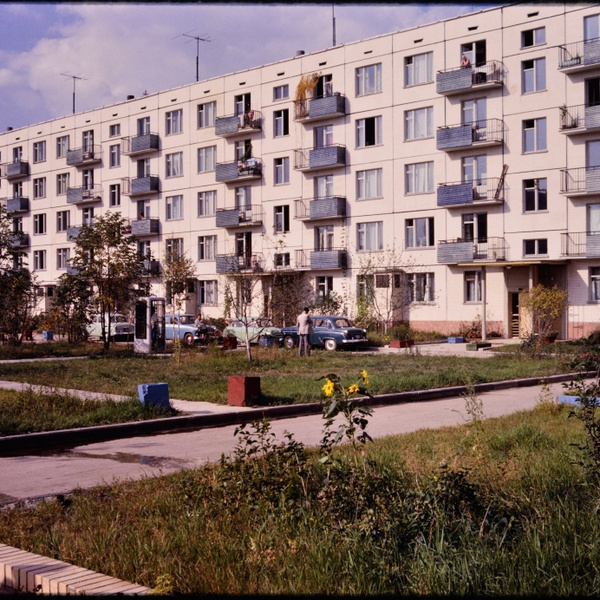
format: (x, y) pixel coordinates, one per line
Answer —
(474, 112)
(281, 259)
(63, 220)
(87, 176)
(475, 52)
(174, 248)
(62, 183)
(473, 286)
(595, 284)
(324, 285)
(62, 257)
(593, 219)
(39, 224)
(115, 156)
(243, 150)
(591, 28)
(143, 167)
(323, 136)
(39, 187)
(368, 132)
(282, 170)
(17, 153)
(419, 178)
(535, 247)
(39, 152)
(281, 219)
(144, 249)
(207, 113)
(242, 104)
(114, 195)
(207, 292)
(474, 169)
(323, 238)
(174, 122)
(143, 209)
(207, 203)
(18, 189)
(114, 130)
(62, 146)
(87, 216)
(143, 126)
(324, 186)
(281, 125)
(365, 288)
(39, 260)
(418, 124)
(419, 232)
(420, 287)
(243, 197)
(87, 141)
(207, 247)
(281, 92)
(534, 135)
(418, 69)
(174, 164)
(369, 184)
(207, 159)
(368, 80)
(535, 194)
(533, 37)
(474, 227)
(174, 208)
(534, 75)
(369, 236)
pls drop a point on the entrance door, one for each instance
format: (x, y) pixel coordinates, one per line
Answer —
(514, 315)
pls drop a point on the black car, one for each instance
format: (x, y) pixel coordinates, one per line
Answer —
(329, 332)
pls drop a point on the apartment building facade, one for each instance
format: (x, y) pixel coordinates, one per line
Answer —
(459, 161)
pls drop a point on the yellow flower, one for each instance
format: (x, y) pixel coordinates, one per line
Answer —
(329, 387)
(364, 376)
(353, 389)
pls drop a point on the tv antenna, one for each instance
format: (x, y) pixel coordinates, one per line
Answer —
(198, 40)
(74, 78)
(333, 20)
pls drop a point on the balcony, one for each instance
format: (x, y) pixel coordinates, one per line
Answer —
(140, 185)
(84, 156)
(232, 263)
(18, 239)
(143, 227)
(580, 181)
(84, 195)
(17, 205)
(328, 259)
(488, 75)
(240, 170)
(479, 134)
(301, 259)
(579, 56)
(320, 209)
(582, 244)
(320, 158)
(452, 252)
(16, 169)
(250, 216)
(236, 125)
(316, 109)
(73, 233)
(141, 144)
(481, 192)
(152, 267)
(579, 119)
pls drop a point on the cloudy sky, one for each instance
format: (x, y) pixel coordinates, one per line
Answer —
(126, 48)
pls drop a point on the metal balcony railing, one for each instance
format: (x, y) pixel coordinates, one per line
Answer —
(332, 258)
(466, 250)
(320, 158)
(579, 56)
(246, 122)
(233, 263)
(457, 80)
(140, 185)
(15, 169)
(240, 217)
(480, 191)
(477, 133)
(17, 205)
(84, 156)
(580, 181)
(140, 144)
(250, 168)
(320, 208)
(579, 119)
(84, 194)
(323, 107)
(583, 244)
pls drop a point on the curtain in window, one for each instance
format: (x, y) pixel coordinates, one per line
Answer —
(594, 219)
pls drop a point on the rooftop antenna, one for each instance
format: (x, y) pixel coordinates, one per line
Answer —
(333, 20)
(198, 40)
(74, 77)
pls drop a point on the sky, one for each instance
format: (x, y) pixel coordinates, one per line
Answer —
(109, 50)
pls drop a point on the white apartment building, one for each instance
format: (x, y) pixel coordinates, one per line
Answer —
(476, 182)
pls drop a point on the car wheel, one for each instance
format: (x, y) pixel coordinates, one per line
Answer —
(330, 345)
(289, 342)
(188, 339)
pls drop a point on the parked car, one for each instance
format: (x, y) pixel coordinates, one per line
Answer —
(118, 327)
(183, 327)
(329, 332)
(258, 327)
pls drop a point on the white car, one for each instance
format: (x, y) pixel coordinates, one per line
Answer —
(119, 327)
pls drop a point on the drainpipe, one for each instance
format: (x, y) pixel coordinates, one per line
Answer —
(483, 300)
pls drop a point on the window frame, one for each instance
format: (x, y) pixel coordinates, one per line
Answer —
(539, 245)
(535, 133)
(206, 117)
(281, 219)
(174, 208)
(207, 159)
(533, 78)
(281, 170)
(39, 260)
(207, 203)
(39, 151)
(207, 247)
(410, 69)
(206, 288)
(39, 188)
(411, 178)
(40, 224)
(368, 79)
(174, 165)
(411, 120)
(411, 228)
(364, 187)
(473, 282)
(369, 236)
(533, 195)
(367, 134)
(174, 122)
(422, 282)
(63, 220)
(281, 122)
(594, 284)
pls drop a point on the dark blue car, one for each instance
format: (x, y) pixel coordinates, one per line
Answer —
(329, 332)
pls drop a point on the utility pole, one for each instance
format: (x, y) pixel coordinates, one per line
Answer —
(198, 40)
(74, 77)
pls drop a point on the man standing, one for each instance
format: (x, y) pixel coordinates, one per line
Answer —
(304, 324)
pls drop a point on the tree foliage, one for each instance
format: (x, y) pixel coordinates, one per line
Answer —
(546, 306)
(178, 269)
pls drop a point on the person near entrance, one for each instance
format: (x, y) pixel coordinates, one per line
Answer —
(304, 324)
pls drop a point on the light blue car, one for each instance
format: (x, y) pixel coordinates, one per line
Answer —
(183, 327)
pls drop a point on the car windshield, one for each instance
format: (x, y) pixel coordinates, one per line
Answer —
(187, 319)
(342, 323)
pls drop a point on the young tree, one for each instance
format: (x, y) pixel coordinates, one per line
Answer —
(290, 293)
(178, 270)
(546, 306)
(71, 307)
(107, 260)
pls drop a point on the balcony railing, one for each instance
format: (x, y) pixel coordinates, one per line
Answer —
(580, 181)
(141, 144)
(324, 107)
(140, 185)
(579, 56)
(301, 259)
(250, 216)
(239, 170)
(232, 263)
(579, 119)
(17, 205)
(242, 124)
(18, 239)
(481, 191)
(458, 80)
(73, 233)
(462, 250)
(84, 195)
(328, 259)
(320, 208)
(142, 227)
(13, 170)
(582, 244)
(320, 158)
(84, 156)
(487, 132)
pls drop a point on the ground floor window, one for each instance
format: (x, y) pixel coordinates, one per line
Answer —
(473, 286)
(595, 284)
(420, 287)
